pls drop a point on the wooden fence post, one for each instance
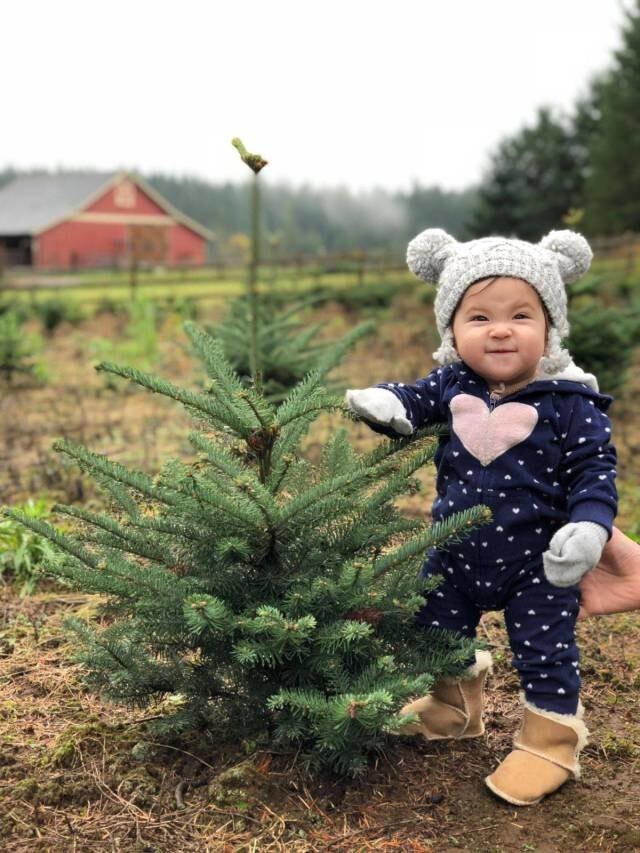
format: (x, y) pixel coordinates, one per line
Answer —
(361, 267)
(133, 276)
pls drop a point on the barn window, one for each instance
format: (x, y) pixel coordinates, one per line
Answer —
(124, 194)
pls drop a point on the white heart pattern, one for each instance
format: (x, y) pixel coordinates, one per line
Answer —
(485, 434)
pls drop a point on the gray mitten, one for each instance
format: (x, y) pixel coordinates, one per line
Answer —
(380, 406)
(574, 550)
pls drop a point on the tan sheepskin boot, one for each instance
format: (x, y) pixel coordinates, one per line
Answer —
(454, 708)
(545, 755)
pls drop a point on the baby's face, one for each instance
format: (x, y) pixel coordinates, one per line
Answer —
(499, 330)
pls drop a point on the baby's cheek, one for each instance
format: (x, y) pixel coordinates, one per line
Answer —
(532, 343)
(469, 340)
(539, 337)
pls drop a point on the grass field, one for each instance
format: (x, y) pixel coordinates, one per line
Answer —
(200, 283)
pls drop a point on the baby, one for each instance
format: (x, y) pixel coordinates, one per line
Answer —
(528, 437)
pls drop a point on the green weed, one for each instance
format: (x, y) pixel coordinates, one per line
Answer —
(23, 553)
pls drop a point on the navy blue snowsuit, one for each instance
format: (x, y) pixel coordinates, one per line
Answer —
(539, 458)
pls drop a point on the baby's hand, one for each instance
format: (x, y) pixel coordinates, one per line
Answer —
(380, 406)
(574, 550)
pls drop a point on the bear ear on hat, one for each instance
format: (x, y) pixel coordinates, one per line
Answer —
(428, 253)
(572, 252)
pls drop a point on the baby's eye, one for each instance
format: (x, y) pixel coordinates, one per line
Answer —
(478, 317)
(526, 316)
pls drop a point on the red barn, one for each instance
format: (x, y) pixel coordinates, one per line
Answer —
(92, 219)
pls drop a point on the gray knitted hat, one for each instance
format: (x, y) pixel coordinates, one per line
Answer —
(559, 258)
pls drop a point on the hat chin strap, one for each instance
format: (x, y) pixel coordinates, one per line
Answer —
(446, 352)
(554, 360)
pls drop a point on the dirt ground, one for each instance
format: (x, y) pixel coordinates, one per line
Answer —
(77, 774)
(80, 774)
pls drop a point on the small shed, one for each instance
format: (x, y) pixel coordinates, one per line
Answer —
(73, 220)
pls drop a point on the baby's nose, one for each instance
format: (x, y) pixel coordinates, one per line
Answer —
(501, 329)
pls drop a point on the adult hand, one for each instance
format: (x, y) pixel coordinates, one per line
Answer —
(614, 585)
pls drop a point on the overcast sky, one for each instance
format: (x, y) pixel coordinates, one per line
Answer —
(356, 93)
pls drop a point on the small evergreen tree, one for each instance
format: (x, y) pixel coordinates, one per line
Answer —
(287, 350)
(138, 344)
(602, 341)
(261, 592)
(17, 350)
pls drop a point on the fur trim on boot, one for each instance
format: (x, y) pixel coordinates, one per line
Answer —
(545, 755)
(454, 708)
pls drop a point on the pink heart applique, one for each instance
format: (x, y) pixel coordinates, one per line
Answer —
(487, 434)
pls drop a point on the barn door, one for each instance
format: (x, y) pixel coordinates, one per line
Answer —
(148, 243)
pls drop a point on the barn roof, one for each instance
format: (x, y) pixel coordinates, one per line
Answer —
(32, 203)
(29, 203)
